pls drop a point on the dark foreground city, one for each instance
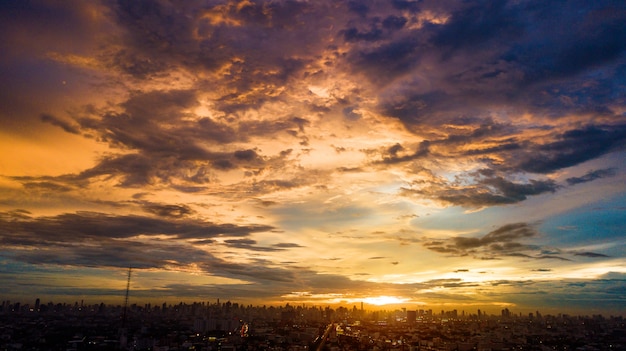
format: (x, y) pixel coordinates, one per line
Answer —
(231, 326)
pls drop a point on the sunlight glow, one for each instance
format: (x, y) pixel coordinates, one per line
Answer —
(384, 300)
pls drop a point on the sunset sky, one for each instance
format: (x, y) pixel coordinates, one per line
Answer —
(436, 154)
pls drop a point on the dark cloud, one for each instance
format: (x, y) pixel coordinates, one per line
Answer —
(538, 257)
(256, 39)
(137, 64)
(411, 5)
(358, 7)
(287, 245)
(85, 226)
(496, 244)
(349, 169)
(154, 124)
(503, 234)
(583, 44)
(250, 244)
(157, 106)
(459, 285)
(502, 241)
(153, 31)
(169, 148)
(480, 24)
(394, 22)
(353, 34)
(571, 148)
(266, 203)
(167, 210)
(390, 60)
(592, 175)
(397, 153)
(562, 72)
(99, 240)
(135, 170)
(483, 188)
(350, 113)
(66, 126)
(523, 35)
(590, 254)
(246, 155)
(19, 214)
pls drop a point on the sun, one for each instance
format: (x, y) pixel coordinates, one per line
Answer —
(384, 300)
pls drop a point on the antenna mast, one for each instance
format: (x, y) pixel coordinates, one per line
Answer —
(126, 298)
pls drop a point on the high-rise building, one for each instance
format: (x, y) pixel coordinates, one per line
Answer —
(411, 316)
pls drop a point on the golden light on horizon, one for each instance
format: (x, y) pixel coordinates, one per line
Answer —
(385, 300)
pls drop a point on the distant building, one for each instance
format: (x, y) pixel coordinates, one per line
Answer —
(411, 317)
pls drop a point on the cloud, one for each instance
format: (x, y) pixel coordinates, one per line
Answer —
(481, 188)
(549, 257)
(249, 244)
(397, 153)
(499, 242)
(358, 7)
(505, 233)
(353, 34)
(161, 144)
(469, 84)
(66, 126)
(83, 227)
(571, 148)
(410, 5)
(479, 25)
(167, 210)
(287, 245)
(168, 137)
(590, 254)
(592, 175)
(98, 240)
(383, 63)
(394, 22)
(614, 276)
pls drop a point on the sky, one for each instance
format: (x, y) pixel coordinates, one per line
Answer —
(426, 154)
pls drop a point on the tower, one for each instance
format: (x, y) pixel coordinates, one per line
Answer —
(122, 332)
(126, 298)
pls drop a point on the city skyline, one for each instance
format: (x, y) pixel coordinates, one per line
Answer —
(356, 311)
(464, 155)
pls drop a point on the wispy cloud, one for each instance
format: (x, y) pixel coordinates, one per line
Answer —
(504, 241)
(592, 175)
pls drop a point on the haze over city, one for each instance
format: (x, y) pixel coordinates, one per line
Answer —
(427, 154)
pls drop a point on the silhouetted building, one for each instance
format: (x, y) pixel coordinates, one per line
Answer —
(411, 316)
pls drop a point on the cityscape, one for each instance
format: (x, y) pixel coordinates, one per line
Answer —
(231, 326)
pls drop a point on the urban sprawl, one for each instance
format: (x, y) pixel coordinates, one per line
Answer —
(230, 326)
